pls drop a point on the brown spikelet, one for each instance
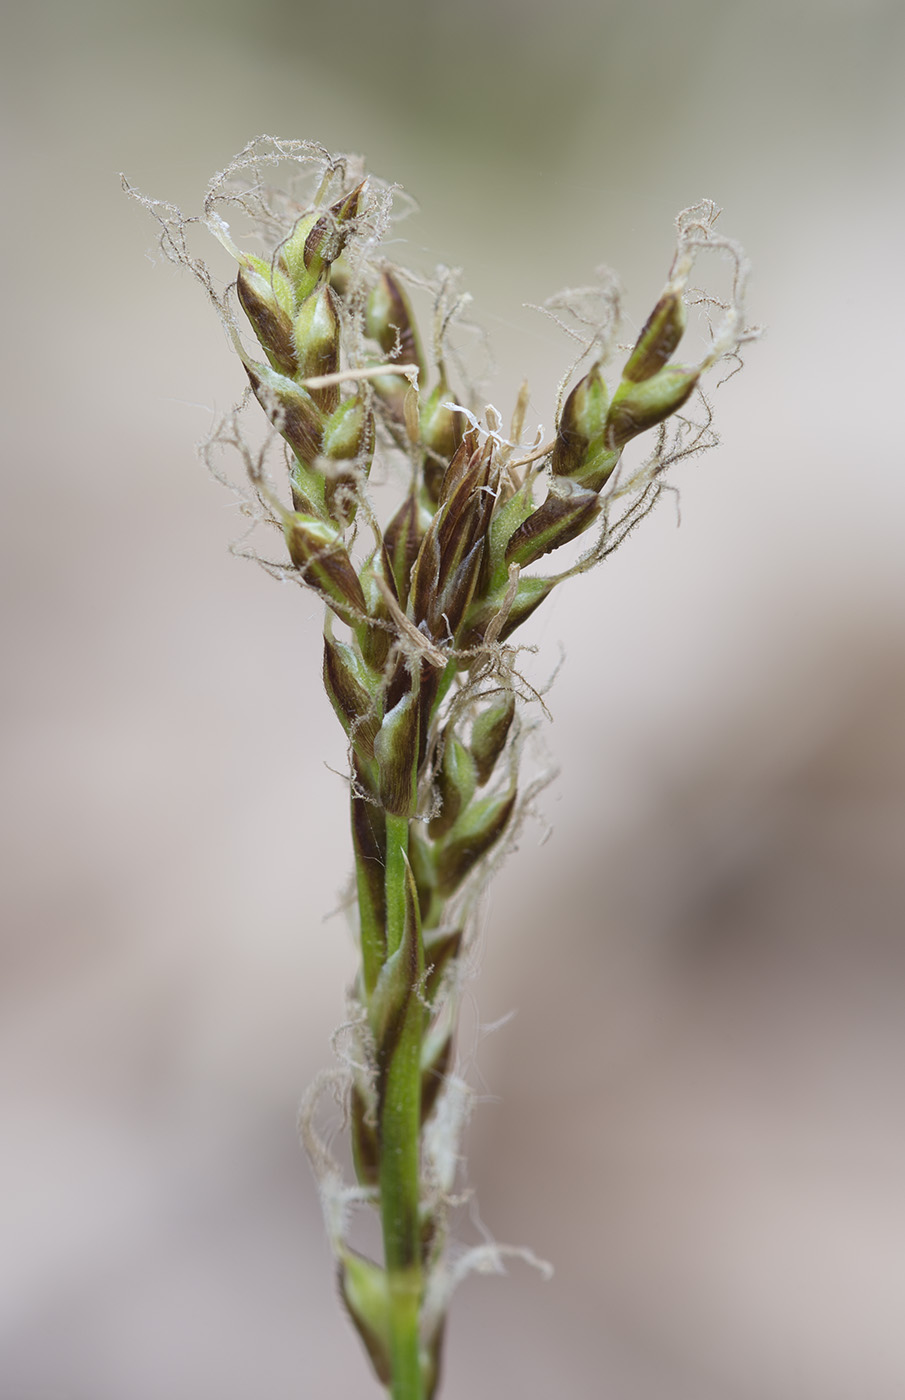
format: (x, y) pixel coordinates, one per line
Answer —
(458, 464)
(452, 602)
(659, 337)
(565, 514)
(270, 323)
(402, 540)
(320, 556)
(389, 321)
(425, 578)
(350, 699)
(293, 413)
(396, 751)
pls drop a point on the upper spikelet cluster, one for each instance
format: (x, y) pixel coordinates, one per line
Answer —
(421, 674)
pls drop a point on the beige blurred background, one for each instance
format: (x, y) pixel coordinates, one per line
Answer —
(697, 1113)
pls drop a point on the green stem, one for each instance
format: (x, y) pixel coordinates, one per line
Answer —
(400, 1127)
(405, 1346)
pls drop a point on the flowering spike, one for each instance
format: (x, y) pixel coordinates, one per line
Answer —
(422, 675)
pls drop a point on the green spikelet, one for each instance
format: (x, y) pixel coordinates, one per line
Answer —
(472, 837)
(347, 452)
(456, 783)
(489, 734)
(316, 338)
(365, 1291)
(291, 409)
(580, 451)
(315, 242)
(642, 405)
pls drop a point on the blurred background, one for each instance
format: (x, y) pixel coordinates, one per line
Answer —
(697, 1113)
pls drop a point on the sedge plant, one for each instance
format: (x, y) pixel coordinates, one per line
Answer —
(421, 609)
